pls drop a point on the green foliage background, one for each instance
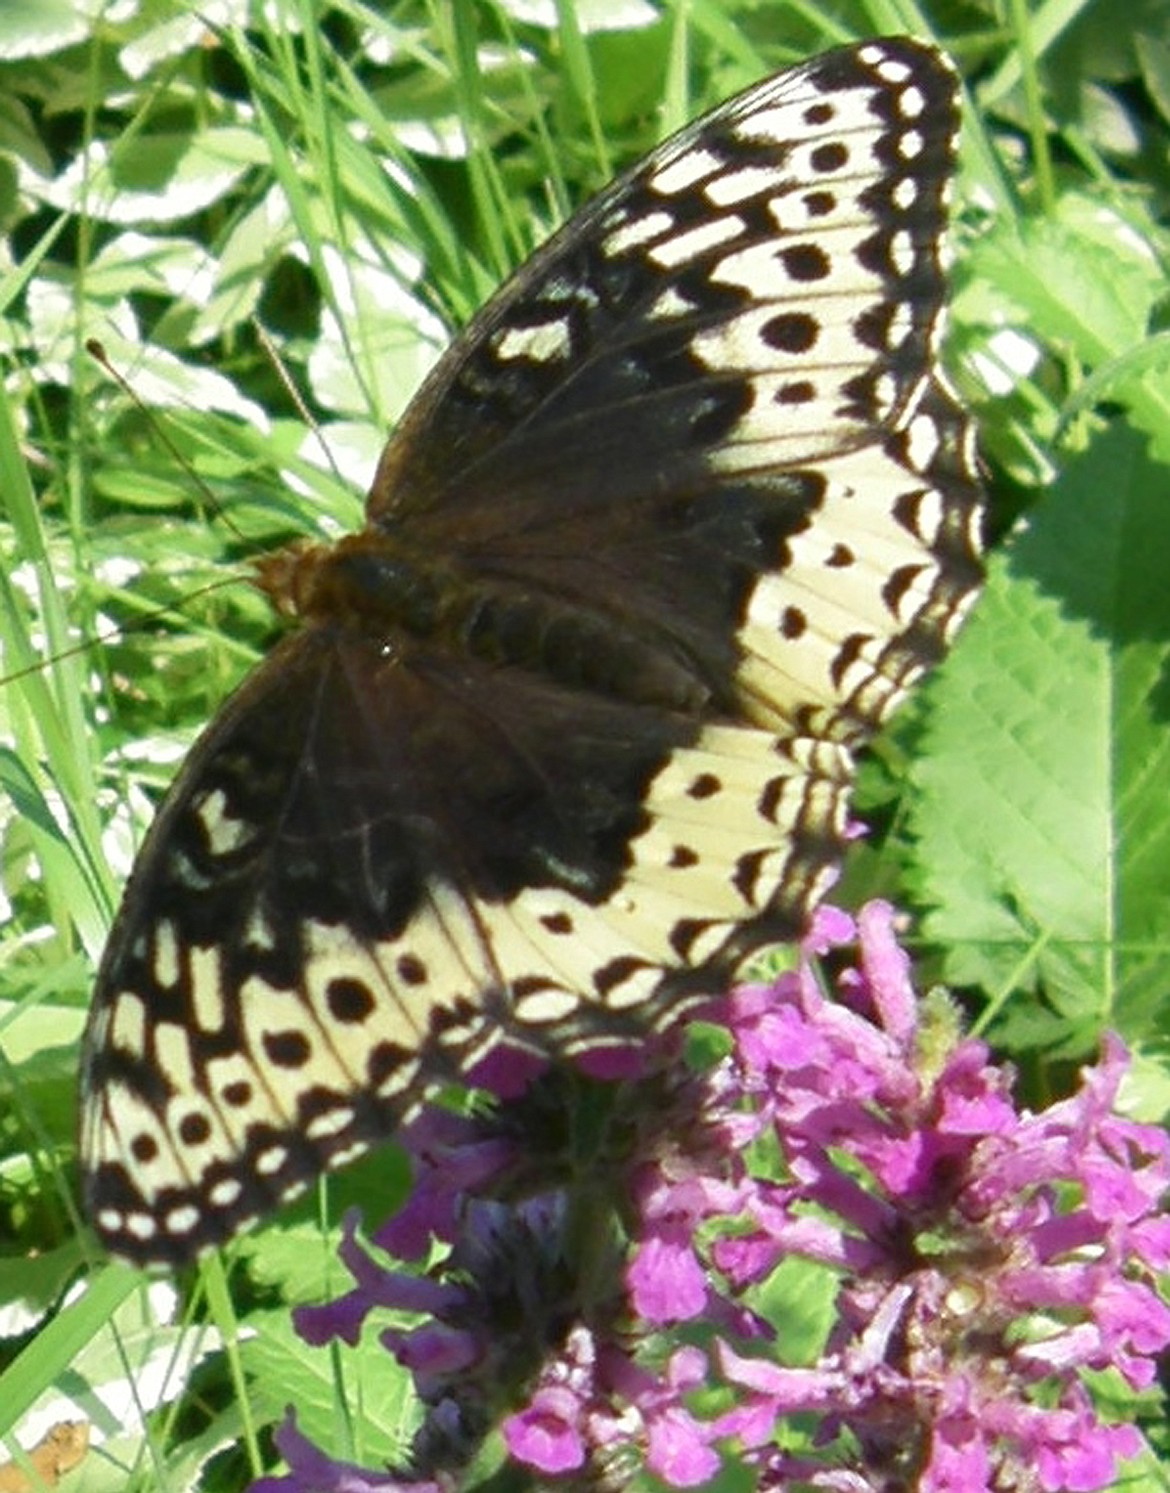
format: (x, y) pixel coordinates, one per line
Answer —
(250, 200)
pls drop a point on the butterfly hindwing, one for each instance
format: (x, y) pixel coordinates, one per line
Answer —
(294, 962)
(567, 733)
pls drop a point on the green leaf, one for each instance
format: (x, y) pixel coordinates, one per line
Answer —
(1042, 835)
(322, 1382)
(33, 28)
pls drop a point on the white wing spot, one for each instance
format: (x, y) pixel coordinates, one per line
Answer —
(902, 255)
(331, 1122)
(128, 1025)
(181, 1220)
(271, 1159)
(901, 328)
(886, 67)
(259, 933)
(224, 1193)
(670, 305)
(682, 174)
(885, 393)
(911, 145)
(166, 965)
(683, 247)
(141, 1226)
(206, 983)
(922, 441)
(740, 186)
(225, 834)
(635, 233)
(905, 194)
(548, 343)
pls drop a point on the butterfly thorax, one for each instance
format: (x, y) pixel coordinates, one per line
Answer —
(375, 585)
(361, 582)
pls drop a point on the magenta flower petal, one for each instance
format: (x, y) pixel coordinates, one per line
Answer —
(545, 1434)
(959, 1458)
(666, 1282)
(678, 1452)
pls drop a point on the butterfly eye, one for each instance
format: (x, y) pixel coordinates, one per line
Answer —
(567, 733)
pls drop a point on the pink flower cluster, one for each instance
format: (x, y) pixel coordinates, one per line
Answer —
(983, 1260)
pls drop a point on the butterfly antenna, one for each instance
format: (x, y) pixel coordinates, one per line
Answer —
(98, 353)
(281, 370)
(114, 634)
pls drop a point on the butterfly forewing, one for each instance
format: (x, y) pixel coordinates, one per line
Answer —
(765, 288)
(567, 733)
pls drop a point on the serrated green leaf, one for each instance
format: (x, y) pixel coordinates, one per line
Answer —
(1043, 837)
(323, 1384)
(1095, 297)
(1088, 281)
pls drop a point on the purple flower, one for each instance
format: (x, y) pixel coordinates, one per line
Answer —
(980, 1261)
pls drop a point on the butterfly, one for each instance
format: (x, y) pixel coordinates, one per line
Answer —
(567, 732)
